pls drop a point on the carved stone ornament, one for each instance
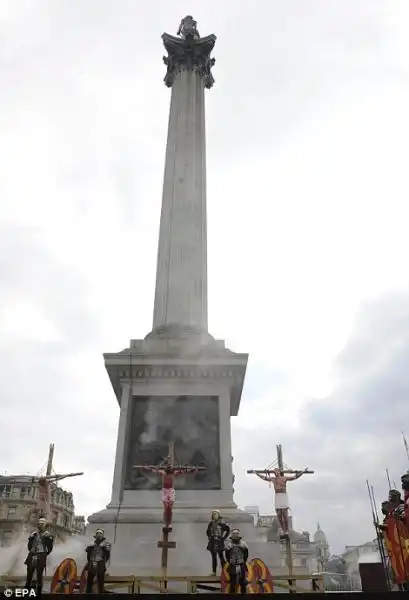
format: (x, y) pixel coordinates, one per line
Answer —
(189, 52)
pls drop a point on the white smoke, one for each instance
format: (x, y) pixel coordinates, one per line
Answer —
(161, 412)
(12, 557)
(73, 547)
(190, 422)
(156, 413)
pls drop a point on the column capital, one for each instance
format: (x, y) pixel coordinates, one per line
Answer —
(189, 52)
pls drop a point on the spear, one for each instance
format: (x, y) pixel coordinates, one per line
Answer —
(405, 443)
(375, 521)
(388, 478)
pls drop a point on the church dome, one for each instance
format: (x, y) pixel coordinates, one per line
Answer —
(319, 536)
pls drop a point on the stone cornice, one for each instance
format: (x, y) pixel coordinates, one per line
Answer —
(127, 366)
(189, 372)
(189, 54)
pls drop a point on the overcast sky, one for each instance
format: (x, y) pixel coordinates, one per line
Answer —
(308, 129)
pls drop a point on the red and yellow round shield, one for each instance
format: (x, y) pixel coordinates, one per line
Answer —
(261, 582)
(65, 577)
(225, 578)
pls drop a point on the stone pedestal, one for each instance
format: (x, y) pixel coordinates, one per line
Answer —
(153, 371)
(135, 548)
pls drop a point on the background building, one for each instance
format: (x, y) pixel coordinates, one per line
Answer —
(303, 550)
(353, 555)
(322, 549)
(79, 525)
(18, 501)
(254, 512)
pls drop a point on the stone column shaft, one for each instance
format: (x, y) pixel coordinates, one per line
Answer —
(181, 277)
(181, 280)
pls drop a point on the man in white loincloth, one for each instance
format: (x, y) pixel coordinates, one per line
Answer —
(279, 481)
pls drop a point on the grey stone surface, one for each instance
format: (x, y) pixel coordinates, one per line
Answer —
(134, 516)
(135, 548)
(191, 423)
(170, 359)
(140, 376)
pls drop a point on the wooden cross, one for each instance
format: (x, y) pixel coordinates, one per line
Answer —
(269, 475)
(165, 544)
(175, 470)
(171, 453)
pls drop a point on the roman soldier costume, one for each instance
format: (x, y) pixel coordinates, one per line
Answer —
(395, 536)
(237, 554)
(40, 545)
(396, 505)
(98, 554)
(217, 532)
(405, 488)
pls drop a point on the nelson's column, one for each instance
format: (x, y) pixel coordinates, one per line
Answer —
(179, 384)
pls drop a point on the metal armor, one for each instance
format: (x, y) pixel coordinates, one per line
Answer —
(237, 552)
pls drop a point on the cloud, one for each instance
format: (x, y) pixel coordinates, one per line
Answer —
(307, 131)
(45, 325)
(347, 437)
(34, 282)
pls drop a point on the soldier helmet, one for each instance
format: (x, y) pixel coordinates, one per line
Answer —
(395, 494)
(405, 481)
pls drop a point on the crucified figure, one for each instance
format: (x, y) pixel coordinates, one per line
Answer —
(168, 471)
(279, 481)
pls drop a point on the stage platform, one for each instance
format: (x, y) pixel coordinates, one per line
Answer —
(132, 584)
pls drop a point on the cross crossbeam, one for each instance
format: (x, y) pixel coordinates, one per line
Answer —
(285, 472)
